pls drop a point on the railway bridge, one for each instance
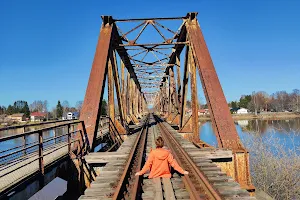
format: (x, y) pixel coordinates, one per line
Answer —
(147, 69)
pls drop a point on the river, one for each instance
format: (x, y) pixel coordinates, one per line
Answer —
(286, 132)
(32, 139)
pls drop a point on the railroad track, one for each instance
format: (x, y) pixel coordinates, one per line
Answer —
(129, 185)
(196, 183)
(205, 179)
(140, 187)
(117, 179)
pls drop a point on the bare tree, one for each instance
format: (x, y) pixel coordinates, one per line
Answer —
(259, 101)
(53, 113)
(45, 106)
(66, 107)
(295, 96)
(37, 106)
(283, 100)
(274, 170)
(79, 105)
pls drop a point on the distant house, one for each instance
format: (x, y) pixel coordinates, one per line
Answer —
(242, 111)
(76, 115)
(69, 115)
(18, 117)
(72, 115)
(37, 116)
(233, 110)
(202, 111)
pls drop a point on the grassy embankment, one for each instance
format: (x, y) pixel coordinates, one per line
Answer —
(269, 115)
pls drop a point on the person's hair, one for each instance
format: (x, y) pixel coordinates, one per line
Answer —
(159, 142)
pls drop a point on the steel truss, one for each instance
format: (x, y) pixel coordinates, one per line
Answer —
(158, 81)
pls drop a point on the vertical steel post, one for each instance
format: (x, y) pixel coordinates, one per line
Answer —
(91, 107)
(169, 92)
(221, 118)
(69, 139)
(24, 145)
(184, 88)
(171, 89)
(178, 82)
(129, 94)
(194, 95)
(123, 89)
(111, 104)
(115, 74)
(41, 157)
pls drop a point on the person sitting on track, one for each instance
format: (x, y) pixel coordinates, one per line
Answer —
(159, 162)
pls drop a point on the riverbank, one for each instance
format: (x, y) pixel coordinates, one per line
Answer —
(268, 115)
(31, 123)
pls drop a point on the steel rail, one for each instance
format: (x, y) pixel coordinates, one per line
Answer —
(124, 182)
(178, 151)
(137, 180)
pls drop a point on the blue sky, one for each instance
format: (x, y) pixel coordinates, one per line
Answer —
(47, 47)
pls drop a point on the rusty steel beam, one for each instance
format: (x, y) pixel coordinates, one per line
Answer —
(146, 19)
(91, 108)
(111, 103)
(129, 94)
(220, 115)
(194, 96)
(177, 49)
(170, 106)
(173, 93)
(178, 81)
(124, 57)
(123, 92)
(117, 85)
(152, 44)
(184, 87)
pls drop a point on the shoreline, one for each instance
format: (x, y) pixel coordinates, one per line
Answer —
(263, 116)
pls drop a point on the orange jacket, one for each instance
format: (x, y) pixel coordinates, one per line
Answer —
(158, 163)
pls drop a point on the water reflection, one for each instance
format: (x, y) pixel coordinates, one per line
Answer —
(50, 137)
(287, 131)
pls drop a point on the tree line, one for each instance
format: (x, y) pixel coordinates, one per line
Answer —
(279, 101)
(17, 107)
(60, 110)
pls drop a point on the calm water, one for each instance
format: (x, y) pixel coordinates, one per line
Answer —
(285, 131)
(32, 139)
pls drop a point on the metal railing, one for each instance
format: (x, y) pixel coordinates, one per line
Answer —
(40, 145)
(37, 150)
(35, 124)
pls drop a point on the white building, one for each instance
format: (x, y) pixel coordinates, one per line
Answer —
(70, 115)
(242, 111)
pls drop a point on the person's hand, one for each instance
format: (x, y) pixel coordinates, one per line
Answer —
(185, 172)
(137, 174)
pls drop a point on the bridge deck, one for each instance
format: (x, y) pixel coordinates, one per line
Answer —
(104, 186)
(13, 173)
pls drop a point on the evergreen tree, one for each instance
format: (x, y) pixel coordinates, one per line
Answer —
(2, 110)
(26, 110)
(234, 105)
(10, 110)
(104, 107)
(244, 101)
(59, 110)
